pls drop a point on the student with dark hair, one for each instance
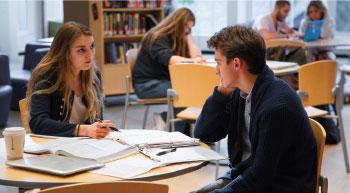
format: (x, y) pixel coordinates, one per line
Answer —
(273, 25)
(270, 142)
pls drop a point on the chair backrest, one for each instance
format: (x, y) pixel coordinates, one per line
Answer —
(284, 42)
(23, 109)
(317, 80)
(131, 56)
(320, 136)
(4, 70)
(39, 55)
(29, 56)
(110, 187)
(193, 83)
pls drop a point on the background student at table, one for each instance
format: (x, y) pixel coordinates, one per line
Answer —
(274, 26)
(316, 10)
(65, 91)
(270, 142)
(166, 44)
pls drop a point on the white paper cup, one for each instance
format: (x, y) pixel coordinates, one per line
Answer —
(14, 140)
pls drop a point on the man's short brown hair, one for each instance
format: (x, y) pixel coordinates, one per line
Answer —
(282, 3)
(243, 43)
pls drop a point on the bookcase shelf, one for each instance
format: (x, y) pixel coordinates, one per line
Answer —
(132, 9)
(126, 38)
(117, 29)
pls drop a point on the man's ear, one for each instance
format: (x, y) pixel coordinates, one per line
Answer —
(237, 63)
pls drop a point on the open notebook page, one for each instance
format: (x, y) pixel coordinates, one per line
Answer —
(153, 138)
(102, 150)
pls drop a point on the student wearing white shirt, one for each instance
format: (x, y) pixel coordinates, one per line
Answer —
(273, 25)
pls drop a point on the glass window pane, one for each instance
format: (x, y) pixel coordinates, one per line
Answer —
(22, 6)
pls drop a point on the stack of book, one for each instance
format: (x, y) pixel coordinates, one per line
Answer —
(127, 23)
(115, 53)
(133, 3)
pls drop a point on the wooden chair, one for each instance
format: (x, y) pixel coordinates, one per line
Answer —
(191, 85)
(23, 109)
(284, 42)
(131, 56)
(317, 86)
(110, 187)
(320, 136)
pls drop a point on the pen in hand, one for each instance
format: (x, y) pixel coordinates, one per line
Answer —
(166, 151)
(112, 128)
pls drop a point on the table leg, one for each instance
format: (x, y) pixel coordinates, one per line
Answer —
(22, 190)
(339, 106)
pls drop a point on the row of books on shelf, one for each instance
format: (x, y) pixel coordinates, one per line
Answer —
(127, 23)
(115, 53)
(132, 3)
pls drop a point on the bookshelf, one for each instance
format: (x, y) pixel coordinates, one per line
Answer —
(117, 26)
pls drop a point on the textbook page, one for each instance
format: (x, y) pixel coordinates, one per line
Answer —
(45, 147)
(153, 138)
(102, 150)
(135, 165)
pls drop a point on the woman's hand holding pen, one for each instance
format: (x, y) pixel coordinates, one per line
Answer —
(96, 130)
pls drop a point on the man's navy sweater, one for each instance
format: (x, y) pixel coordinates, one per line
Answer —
(283, 158)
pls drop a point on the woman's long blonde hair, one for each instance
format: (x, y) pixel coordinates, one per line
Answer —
(57, 62)
(173, 26)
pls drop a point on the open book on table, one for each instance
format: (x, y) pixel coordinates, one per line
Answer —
(153, 138)
(101, 150)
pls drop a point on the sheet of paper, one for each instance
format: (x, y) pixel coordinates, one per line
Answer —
(138, 136)
(128, 167)
(183, 154)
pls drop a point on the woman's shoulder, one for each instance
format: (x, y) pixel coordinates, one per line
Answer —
(45, 80)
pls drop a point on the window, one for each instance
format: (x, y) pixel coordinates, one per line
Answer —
(22, 14)
(211, 16)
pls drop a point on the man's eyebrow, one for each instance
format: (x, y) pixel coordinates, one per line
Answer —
(80, 46)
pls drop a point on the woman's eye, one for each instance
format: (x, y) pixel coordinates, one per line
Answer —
(92, 46)
(81, 50)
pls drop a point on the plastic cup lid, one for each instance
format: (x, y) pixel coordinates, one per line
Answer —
(13, 130)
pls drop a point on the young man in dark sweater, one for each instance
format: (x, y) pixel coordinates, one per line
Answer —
(270, 142)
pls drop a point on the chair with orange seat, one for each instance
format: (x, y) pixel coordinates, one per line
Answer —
(110, 187)
(131, 56)
(317, 86)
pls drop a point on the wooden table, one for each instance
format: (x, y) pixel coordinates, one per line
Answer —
(192, 113)
(291, 67)
(45, 40)
(326, 43)
(294, 67)
(10, 176)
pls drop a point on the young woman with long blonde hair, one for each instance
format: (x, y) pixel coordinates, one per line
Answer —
(65, 90)
(166, 44)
